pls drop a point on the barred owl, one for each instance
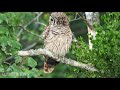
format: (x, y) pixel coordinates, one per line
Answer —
(57, 39)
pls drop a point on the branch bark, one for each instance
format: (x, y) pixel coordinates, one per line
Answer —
(62, 60)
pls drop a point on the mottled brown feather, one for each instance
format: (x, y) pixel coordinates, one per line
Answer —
(57, 38)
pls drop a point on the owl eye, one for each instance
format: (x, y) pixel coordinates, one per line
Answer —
(51, 19)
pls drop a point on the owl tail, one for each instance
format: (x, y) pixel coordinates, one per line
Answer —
(49, 65)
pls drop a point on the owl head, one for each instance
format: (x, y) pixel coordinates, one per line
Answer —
(58, 19)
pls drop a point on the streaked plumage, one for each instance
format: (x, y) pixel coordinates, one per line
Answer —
(57, 38)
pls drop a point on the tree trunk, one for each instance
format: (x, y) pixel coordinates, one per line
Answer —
(92, 17)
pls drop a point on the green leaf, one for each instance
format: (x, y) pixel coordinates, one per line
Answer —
(31, 62)
(4, 30)
(2, 18)
(1, 68)
(3, 41)
(18, 59)
(14, 74)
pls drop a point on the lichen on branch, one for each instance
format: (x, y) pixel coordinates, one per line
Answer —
(62, 60)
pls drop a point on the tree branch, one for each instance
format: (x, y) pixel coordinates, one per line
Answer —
(62, 60)
(28, 47)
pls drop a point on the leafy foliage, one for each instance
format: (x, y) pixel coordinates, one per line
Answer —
(105, 55)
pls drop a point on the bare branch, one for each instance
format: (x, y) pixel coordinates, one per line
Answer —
(40, 36)
(42, 24)
(62, 60)
(31, 46)
(75, 19)
(78, 64)
(28, 47)
(38, 15)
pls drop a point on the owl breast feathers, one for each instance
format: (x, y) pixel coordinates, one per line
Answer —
(57, 41)
(58, 36)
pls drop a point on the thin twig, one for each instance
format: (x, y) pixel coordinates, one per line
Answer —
(30, 46)
(7, 63)
(29, 23)
(42, 24)
(76, 15)
(40, 36)
(75, 19)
